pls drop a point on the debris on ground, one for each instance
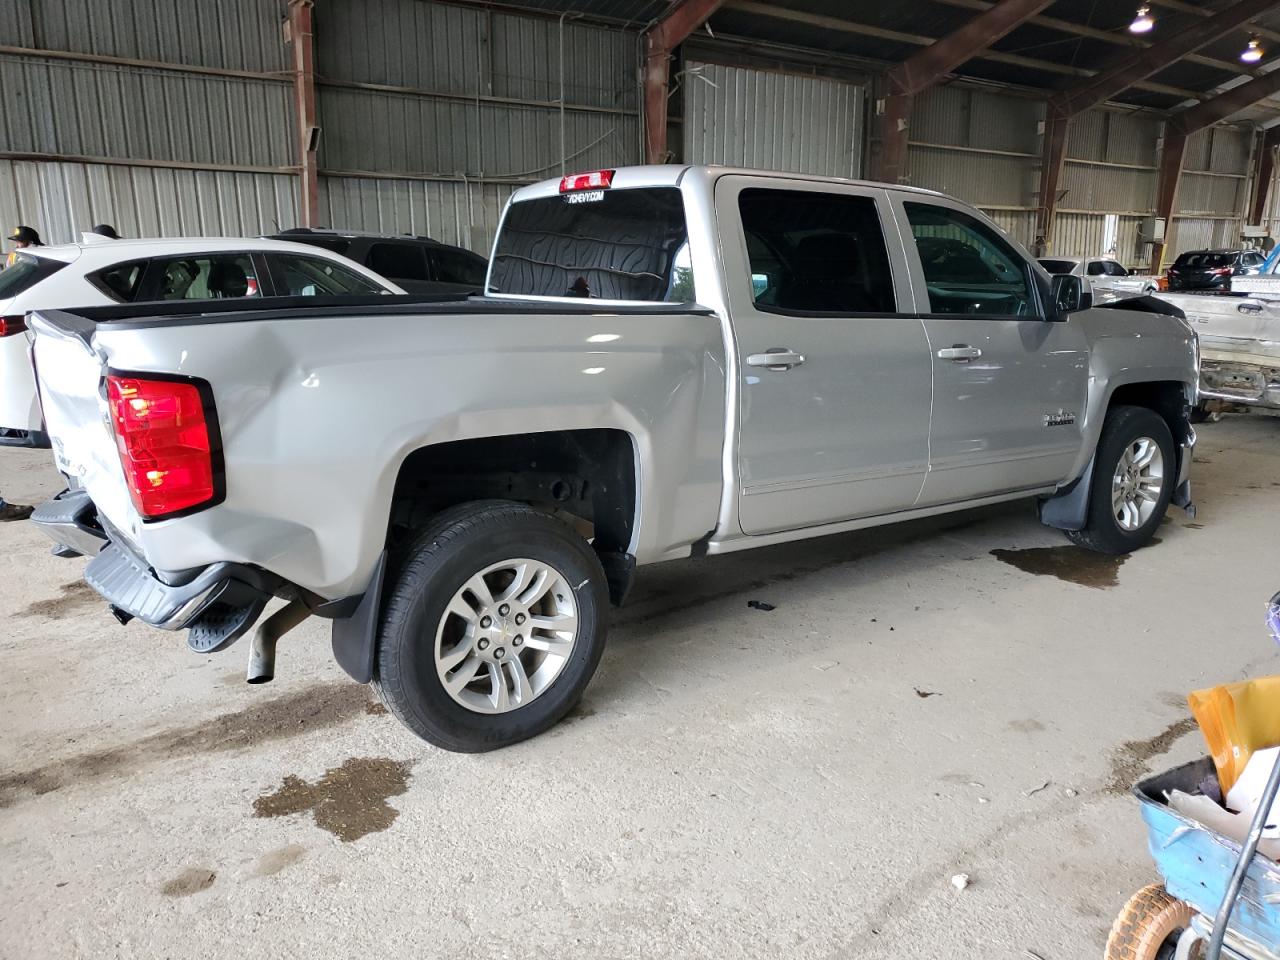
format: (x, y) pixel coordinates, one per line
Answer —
(1044, 786)
(925, 694)
(760, 605)
(960, 881)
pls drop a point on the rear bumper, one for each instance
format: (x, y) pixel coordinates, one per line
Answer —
(217, 603)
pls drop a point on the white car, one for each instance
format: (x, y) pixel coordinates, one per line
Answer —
(100, 272)
(1109, 278)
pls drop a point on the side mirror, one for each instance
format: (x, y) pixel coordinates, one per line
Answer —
(1069, 294)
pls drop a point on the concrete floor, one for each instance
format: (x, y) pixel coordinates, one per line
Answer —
(738, 783)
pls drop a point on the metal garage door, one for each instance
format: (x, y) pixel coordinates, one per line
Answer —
(772, 121)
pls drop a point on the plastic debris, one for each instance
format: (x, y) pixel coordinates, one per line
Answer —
(760, 605)
(960, 881)
(925, 694)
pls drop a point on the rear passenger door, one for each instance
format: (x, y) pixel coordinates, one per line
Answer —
(833, 368)
(1009, 385)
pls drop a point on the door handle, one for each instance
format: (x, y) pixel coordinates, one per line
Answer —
(776, 358)
(960, 353)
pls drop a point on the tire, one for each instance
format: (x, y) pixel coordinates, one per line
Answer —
(1123, 427)
(421, 629)
(1148, 926)
(1200, 415)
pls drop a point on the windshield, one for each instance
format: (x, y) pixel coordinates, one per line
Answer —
(605, 244)
(24, 272)
(1205, 261)
(1058, 266)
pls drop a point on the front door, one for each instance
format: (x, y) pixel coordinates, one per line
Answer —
(833, 381)
(1009, 384)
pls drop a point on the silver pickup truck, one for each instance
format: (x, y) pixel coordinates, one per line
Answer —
(668, 362)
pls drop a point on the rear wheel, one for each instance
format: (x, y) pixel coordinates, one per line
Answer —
(1134, 471)
(494, 627)
(1148, 926)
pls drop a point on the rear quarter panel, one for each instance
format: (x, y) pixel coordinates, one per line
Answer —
(318, 414)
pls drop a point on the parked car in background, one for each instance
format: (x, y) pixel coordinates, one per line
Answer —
(419, 264)
(101, 271)
(1109, 278)
(670, 361)
(1212, 270)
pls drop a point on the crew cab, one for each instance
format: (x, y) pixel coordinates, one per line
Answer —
(668, 361)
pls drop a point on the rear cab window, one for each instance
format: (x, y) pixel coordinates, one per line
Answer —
(611, 244)
(24, 272)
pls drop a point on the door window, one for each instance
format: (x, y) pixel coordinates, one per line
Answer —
(1097, 268)
(205, 277)
(1114, 269)
(816, 252)
(968, 267)
(298, 276)
(459, 266)
(398, 261)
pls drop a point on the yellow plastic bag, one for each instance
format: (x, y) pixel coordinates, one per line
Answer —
(1237, 719)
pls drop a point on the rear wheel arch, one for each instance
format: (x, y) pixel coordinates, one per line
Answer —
(588, 478)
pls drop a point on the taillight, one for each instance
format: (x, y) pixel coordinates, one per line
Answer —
(167, 434)
(1222, 271)
(9, 326)
(599, 180)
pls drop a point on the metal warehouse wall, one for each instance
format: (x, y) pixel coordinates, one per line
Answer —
(981, 146)
(431, 114)
(772, 120)
(193, 136)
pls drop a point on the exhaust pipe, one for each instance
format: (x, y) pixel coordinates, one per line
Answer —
(262, 651)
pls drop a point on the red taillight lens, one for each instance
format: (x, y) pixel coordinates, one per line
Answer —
(166, 443)
(1222, 271)
(9, 326)
(599, 180)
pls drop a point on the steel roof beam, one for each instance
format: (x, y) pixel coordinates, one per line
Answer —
(681, 19)
(1200, 10)
(1155, 58)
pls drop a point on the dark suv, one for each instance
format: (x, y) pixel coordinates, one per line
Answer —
(1213, 269)
(418, 264)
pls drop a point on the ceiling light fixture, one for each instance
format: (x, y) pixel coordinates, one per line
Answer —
(1143, 22)
(1253, 52)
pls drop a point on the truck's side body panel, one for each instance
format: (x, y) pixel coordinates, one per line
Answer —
(318, 414)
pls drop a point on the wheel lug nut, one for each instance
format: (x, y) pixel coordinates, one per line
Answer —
(483, 644)
(499, 653)
(486, 622)
(519, 619)
(504, 610)
(517, 641)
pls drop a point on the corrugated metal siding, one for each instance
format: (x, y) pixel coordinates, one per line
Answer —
(1019, 224)
(1198, 193)
(1106, 189)
(772, 121)
(459, 213)
(63, 199)
(62, 107)
(1084, 235)
(985, 128)
(230, 34)
(1114, 137)
(366, 130)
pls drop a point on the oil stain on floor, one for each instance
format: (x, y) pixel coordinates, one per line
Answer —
(1072, 564)
(349, 801)
(75, 595)
(299, 713)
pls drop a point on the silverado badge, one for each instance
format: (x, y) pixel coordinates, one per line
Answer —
(1059, 419)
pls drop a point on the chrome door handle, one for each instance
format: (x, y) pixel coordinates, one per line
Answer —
(776, 358)
(960, 353)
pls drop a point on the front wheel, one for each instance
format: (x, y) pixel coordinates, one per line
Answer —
(1148, 926)
(493, 628)
(1134, 471)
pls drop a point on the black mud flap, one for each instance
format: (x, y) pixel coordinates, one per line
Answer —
(355, 637)
(1069, 508)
